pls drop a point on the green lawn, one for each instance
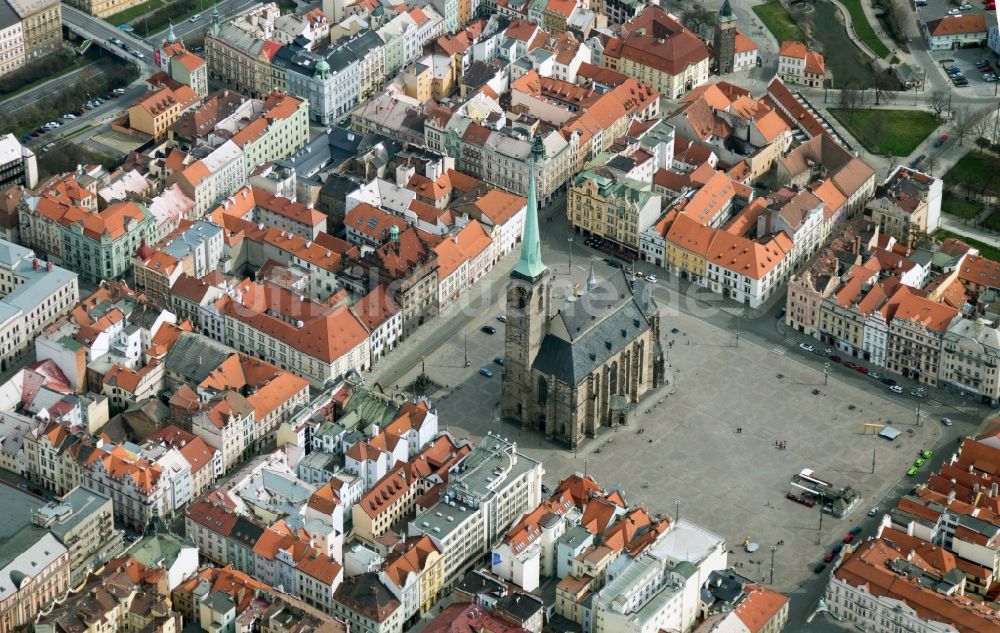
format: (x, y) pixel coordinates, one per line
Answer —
(987, 251)
(130, 14)
(992, 221)
(863, 29)
(959, 206)
(899, 133)
(971, 168)
(778, 22)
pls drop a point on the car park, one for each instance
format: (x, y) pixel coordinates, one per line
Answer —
(486, 372)
(946, 421)
(896, 389)
(488, 329)
(911, 471)
(807, 347)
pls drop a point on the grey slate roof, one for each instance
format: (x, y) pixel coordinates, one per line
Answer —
(8, 16)
(599, 325)
(194, 356)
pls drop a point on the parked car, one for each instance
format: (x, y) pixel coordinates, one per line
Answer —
(835, 358)
(941, 140)
(486, 372)
(896, 389)
(918, 462)
(927, 453)
(874, 375)
(807, 347)
(498, 360)
(651, 279)
(953, 70)
(953, 11)
(488, 329)
(848, 538)
(138, 55)
(989, 78)
(873, 511)
(911, 471)
(946, 421)
(888, 381)
(69, 117)
(860, 369)
(850, 365)
(966, 7)
(502, 318)
(780, 313)
(829, 556)
(917, 393)
(818, 569)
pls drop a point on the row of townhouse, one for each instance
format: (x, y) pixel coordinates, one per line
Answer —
(28, 29)
(158, 478)
(902, 310)
(249, 55)
(273, 555)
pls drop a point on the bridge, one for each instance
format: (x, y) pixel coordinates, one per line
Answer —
(101, 33)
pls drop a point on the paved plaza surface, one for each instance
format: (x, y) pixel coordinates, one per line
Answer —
(689, 450)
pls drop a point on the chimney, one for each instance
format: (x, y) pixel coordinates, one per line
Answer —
(993, 490)
(857, 244)
(951, 497)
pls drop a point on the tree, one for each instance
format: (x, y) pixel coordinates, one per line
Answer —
(882, 83)
(971, 122)
(850, 99)
(876, 130)
(938, 102)
(697, 19)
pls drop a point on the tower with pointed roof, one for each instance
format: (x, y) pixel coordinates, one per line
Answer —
(527, 306)
(171, 36)
(214, 28)
(724, 46)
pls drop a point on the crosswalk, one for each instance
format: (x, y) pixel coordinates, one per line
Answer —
(780, 351)
(934, 404)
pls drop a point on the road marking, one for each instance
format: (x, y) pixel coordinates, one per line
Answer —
(933, 403)
(780, 351)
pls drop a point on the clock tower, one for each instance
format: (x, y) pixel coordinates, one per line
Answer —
(528, 295)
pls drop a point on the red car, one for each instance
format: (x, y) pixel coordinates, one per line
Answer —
(848, 538)
(835, 359)
(850, 365)
(829, 556)
(863, 370)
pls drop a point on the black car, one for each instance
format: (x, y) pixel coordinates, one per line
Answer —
(818, 569)
(498, 360)
(612, 263)
(888, 381)
(489, 329)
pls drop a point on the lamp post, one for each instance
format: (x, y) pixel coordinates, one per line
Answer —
(826, 374)
(570, 271)
(677, 510)
(774, 548)
(874, 445)
(466, 349)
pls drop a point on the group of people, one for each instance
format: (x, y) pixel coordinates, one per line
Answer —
(780, 444)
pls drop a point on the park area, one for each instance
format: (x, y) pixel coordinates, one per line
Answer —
(778, 21)
(887, 132)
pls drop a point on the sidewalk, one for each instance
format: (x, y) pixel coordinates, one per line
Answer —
(973, 232)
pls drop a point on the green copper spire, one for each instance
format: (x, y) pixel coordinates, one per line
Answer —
(530, 264)
(726, 12)
(214, 28)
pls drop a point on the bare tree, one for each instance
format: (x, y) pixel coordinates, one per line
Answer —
(982, 126)
(875, 131)
(882, 83)
(850, 99)
(938, 102)
(968, 122)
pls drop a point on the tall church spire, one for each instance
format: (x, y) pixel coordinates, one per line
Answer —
(214, 28)
(726, 12)
(171, 36)
(530, 264)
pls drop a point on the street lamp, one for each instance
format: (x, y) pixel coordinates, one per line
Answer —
(466, 349)
(874, 445)
(774, 548)
(570, 271)
(826, 374)
(677, 511)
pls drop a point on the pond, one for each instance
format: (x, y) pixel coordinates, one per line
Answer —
(844, 59)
